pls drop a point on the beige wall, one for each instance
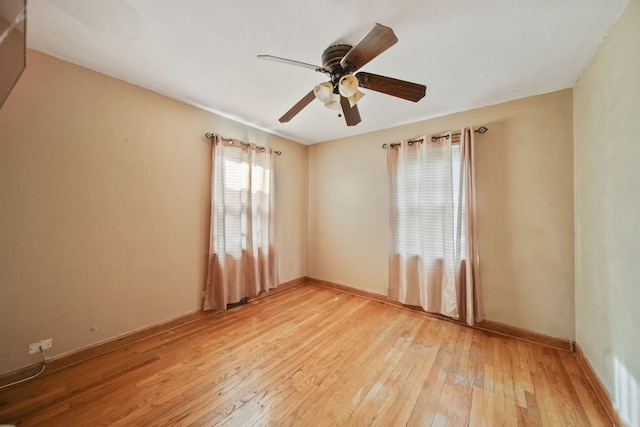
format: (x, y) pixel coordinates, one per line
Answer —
(607, 203)
(104, 208)
(525, 203)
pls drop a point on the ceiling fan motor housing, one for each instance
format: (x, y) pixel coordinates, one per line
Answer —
(331, 58)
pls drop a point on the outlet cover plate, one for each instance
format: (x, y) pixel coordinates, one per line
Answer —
(46, 344)
(34, 348)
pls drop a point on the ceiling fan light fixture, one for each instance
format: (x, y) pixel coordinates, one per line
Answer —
(348, 87)
(334, 102)
(353, 99)
(323, 92)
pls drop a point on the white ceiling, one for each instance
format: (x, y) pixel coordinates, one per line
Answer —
(469, 53)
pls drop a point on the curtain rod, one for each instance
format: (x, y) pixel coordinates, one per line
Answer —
(480, 130)
(212, 135)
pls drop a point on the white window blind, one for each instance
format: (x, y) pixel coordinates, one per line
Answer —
(242, 203)
(427, 198)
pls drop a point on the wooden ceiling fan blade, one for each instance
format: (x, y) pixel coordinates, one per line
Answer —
(298, 107)
(292, 62)
(390, 86)
(351, 114)
(376, 41)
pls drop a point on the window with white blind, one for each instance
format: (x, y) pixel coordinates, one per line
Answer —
(243, 215)
(242, 251)
(427, 198)
(433, 258)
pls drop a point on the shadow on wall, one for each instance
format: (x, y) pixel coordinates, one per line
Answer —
(627, 395)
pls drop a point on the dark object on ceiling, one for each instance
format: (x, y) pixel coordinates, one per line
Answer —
(342, 92)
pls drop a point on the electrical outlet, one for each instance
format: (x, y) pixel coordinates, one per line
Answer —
(34, 348)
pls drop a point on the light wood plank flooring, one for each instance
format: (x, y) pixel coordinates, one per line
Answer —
(313, 356)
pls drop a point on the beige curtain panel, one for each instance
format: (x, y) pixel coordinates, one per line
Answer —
(470, 297)
(242, 248)
(433, 261)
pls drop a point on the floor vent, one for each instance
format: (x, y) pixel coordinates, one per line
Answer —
(243, 301)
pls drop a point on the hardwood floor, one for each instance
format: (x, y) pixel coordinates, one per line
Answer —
(313, 356)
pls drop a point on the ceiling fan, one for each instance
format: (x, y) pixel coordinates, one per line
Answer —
(339, 62)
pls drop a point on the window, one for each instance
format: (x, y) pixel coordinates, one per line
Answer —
(433, 260)
(245, 205)
(242, 255)
(424, 261)
(427, 198)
